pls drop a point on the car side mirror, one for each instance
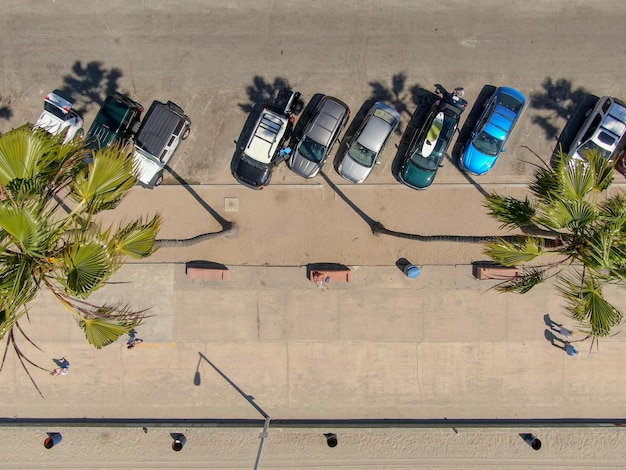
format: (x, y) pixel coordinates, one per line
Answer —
(440, 165)
(503, 150)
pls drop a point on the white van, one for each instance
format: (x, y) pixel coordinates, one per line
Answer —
(161, 132)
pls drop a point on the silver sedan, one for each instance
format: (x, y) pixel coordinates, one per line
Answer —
(369, 142)
(319, 136)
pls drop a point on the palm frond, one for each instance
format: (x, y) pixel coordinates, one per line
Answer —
(577, 179)
(26, 229)
(103, 182)
(86, 267)
(510, 254)
(587, 305)
(529, 278)
(101, 332)
(137, 238)
(510, 211)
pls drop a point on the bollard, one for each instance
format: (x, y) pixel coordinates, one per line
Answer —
(331, 439)
(53, 439)
(179, 441)
(412, 271)
(531, 440)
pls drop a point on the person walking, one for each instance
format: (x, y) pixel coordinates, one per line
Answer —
(132, 339)
(570, 349)
(64, 367)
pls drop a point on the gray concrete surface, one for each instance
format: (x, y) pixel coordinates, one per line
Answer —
(444, 345)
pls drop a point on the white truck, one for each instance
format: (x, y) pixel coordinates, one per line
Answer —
(58, 117)
(162, 130)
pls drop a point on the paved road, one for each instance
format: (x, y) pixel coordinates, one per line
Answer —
(444, 345)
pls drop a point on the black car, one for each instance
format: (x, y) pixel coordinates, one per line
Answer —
(429, 146)
(116, 122)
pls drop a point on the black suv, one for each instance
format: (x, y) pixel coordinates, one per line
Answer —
(116, 122)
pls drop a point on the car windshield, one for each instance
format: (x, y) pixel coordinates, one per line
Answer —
(487, 144)
(112, 114)
(56, 111)
(591, 146)
(312, 150)
(430, 163)
(509, 102)
(607, 139)
(362, 155)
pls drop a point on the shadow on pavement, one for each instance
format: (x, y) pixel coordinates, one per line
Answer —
(87, 85)
(229, 229)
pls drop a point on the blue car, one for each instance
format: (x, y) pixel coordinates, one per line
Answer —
(492, 130)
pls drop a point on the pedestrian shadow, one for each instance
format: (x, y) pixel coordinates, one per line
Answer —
(197, 381)
(229, 229)
(87, 84)
(555, 340)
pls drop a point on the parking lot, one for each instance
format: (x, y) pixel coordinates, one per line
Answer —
(274, 336)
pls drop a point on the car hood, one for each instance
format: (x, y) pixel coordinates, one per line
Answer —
(416, 177)
(475, 161)
(147, 167)
(303, 166)
(353, 171)
(252, 176)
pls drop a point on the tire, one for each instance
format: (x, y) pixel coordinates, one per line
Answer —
(186, 133)
(159, 180)
(80, 133)
(135, 127)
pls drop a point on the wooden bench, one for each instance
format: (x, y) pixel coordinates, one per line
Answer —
(496, 272)
(335, 275)
(207, 272)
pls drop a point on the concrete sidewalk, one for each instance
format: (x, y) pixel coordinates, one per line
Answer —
(383, 346)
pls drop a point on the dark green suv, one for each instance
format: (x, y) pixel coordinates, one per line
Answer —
(116, 122)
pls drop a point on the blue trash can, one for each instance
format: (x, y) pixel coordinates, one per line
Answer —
(412, 271)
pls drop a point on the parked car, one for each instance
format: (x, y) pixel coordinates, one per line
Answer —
(492, 131)
(252, 165)
(58, 117)
(429, 146)
(603, 130)
(163, 128)
(116, 122)
(369, 142)
(319, 137)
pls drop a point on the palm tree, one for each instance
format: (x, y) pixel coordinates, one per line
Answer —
(574, 220)
(50, 195)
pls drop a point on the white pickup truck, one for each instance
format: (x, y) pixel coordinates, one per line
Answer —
(58, 117)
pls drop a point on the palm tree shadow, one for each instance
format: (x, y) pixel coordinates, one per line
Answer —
(397, 95)
(261, 92)
(89, 83)
(379, 229)
(229, 229)
(560, 100)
